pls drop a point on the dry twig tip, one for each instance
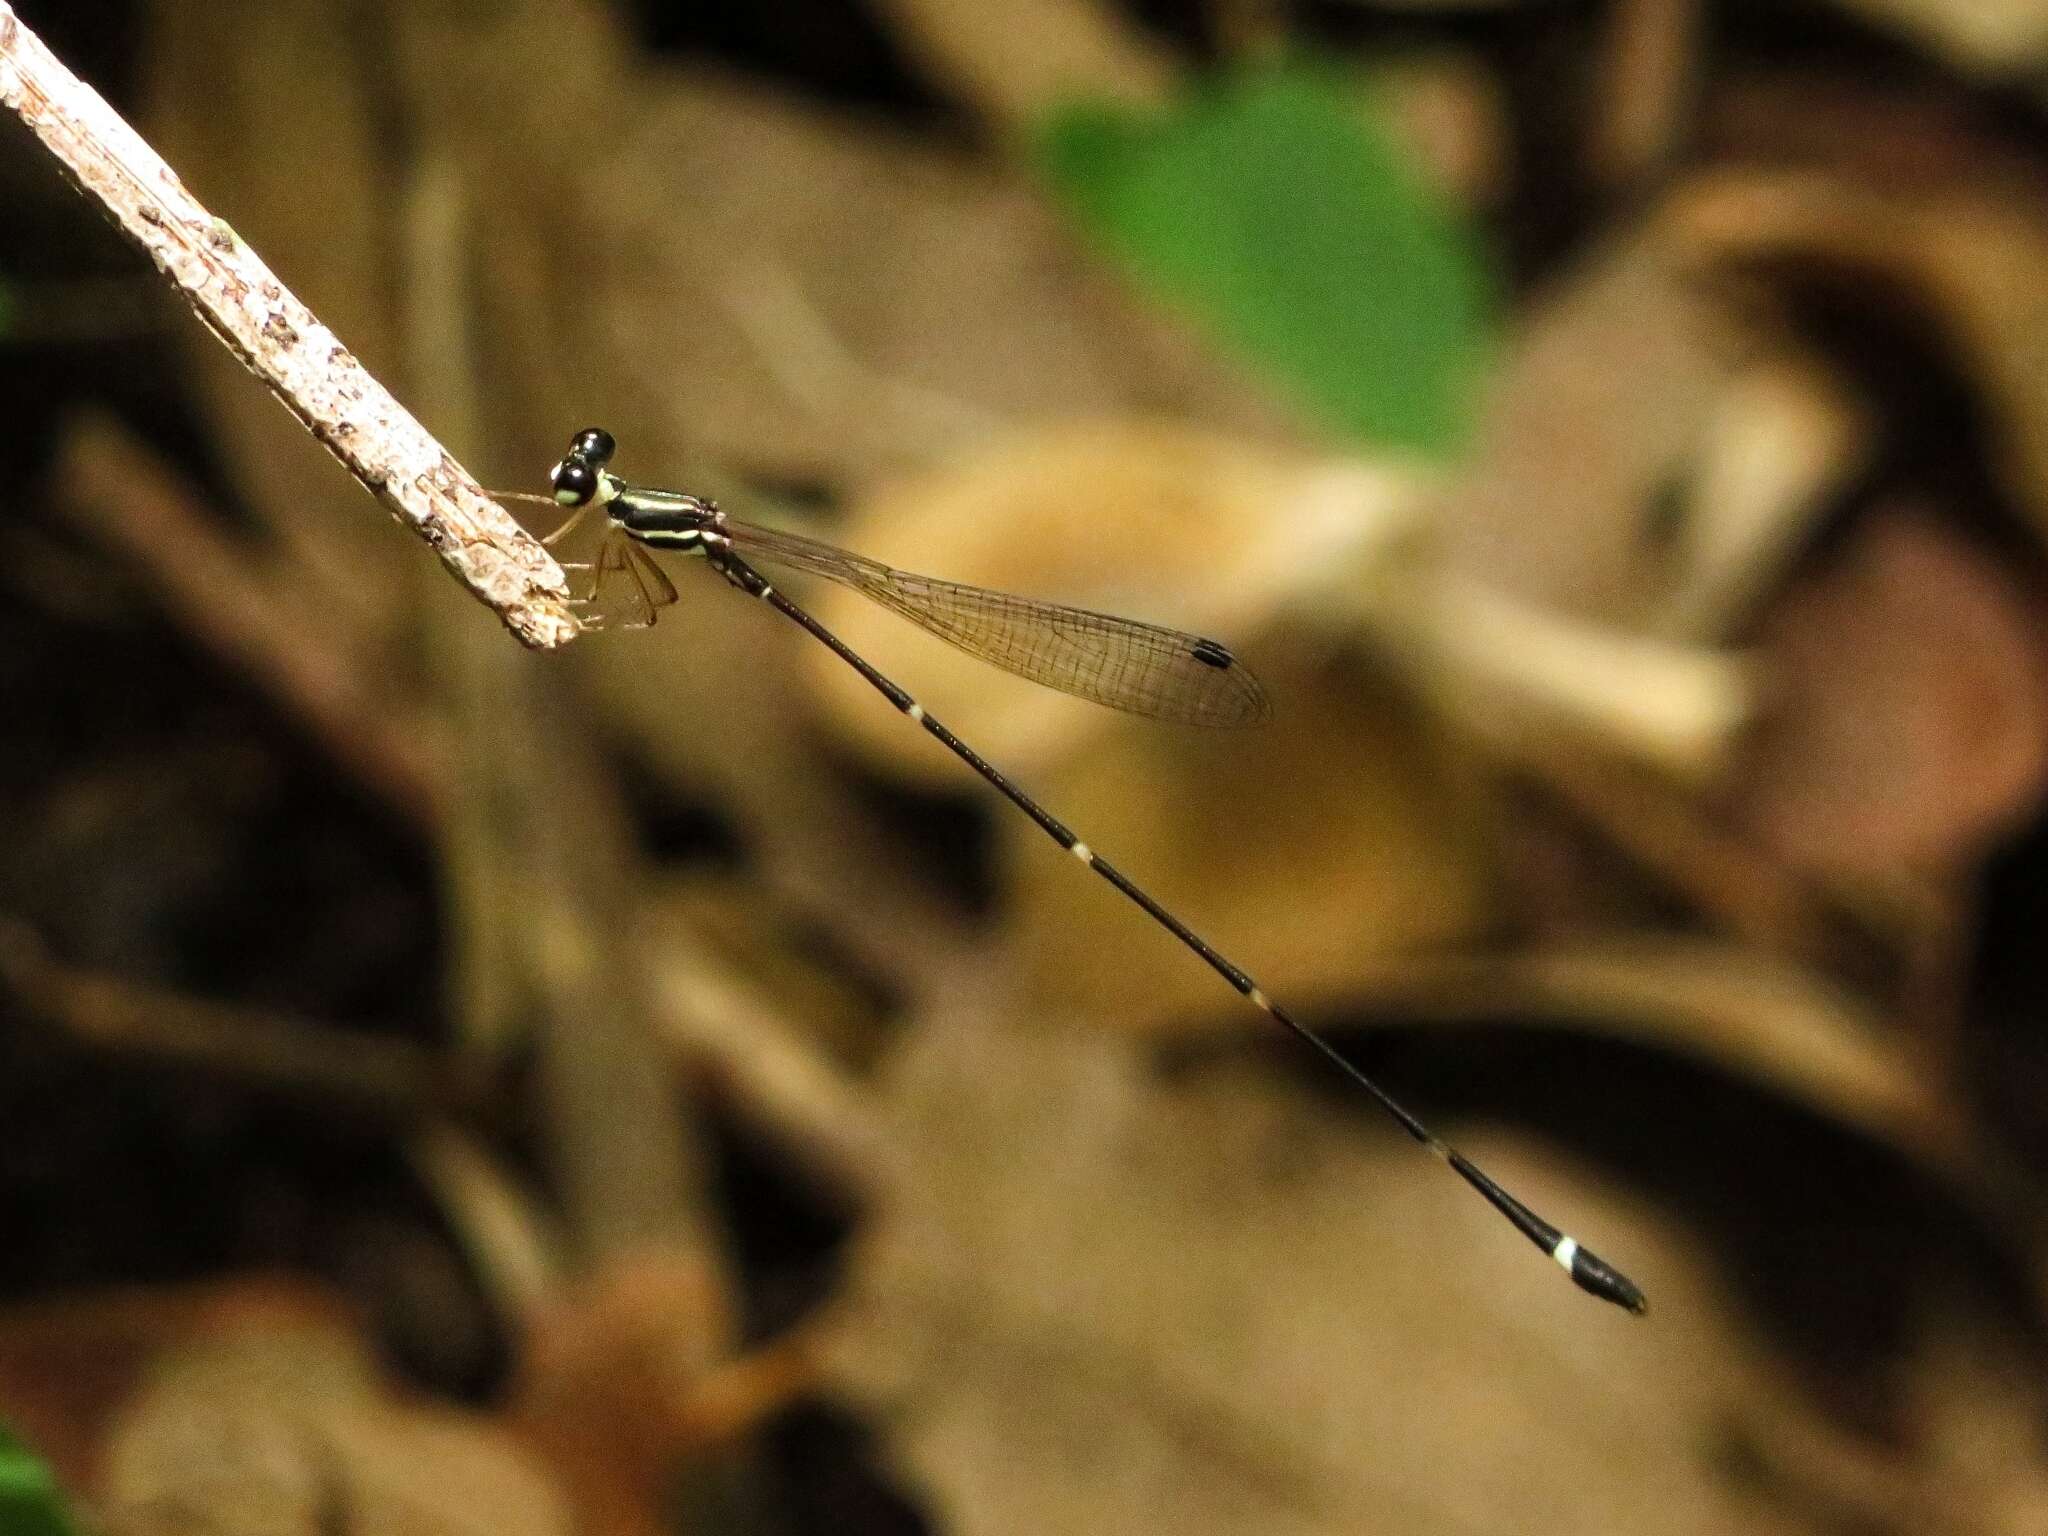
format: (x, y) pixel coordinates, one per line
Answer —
(278, 339)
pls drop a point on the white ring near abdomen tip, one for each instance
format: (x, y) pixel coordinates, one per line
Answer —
(1566, 1250)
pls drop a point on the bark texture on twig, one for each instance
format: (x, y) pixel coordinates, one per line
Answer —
(280, 341)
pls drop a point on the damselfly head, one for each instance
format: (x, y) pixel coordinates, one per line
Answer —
(574, 482)
(594, 446)
(580, 474)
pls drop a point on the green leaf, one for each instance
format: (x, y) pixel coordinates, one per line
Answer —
(29, 1502)
(1275, 209)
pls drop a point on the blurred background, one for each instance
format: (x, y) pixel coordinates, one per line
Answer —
(650, 1088)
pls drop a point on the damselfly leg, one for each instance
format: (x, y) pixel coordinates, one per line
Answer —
(619, 579)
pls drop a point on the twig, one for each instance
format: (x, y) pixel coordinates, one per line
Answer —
(278, 339)
(776, 1080)
(115, 487)
(1014, 62)
(511, 1248)
(1651, 75)
(820, 374)
(389, 1078)
(1743, 890)
(737, 1397)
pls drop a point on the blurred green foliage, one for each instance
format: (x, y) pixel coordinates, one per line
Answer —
(29, 1502)
(1277, 208)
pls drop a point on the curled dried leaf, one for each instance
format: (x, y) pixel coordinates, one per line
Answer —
(1908, 722)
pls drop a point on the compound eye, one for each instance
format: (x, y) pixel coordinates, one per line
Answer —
(575, 482)
(593, 444)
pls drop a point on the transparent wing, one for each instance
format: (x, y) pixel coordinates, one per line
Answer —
(1143, 668)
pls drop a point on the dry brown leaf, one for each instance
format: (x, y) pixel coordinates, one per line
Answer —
(1216, 1307)
(1527, 680)
(2004, 39)
(1780, 438)
(1976, 1410)
(1596, 414)
(266, 1426)
(1019, 61)
(802, 294)
(1451, 113)
(1539, 594)
(610, 1371)
(252, 1407)
(1376, 850)
(1972, 1459)
(65, 1368)
(1962, 237)
(1909, 723)
(1753, 1016)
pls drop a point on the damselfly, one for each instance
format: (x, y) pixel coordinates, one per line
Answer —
(1143, 668)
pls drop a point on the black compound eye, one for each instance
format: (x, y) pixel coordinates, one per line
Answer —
(594, 445)
(574, 481)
